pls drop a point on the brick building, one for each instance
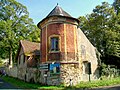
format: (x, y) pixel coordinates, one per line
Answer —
(70, 56)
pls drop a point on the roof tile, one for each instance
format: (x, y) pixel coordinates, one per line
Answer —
(30, 47)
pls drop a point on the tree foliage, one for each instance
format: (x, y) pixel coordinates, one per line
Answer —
(116, 5)
(103, 30)
(15, 25)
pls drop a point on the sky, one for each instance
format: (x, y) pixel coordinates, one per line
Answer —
(39, 9)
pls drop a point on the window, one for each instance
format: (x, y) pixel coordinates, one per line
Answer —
(54, 41)
(86, 68)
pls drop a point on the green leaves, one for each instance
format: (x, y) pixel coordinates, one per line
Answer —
(103, 29)
(15, 25)
(116, 6)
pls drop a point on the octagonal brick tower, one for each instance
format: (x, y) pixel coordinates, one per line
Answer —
(60, 27)
(59, 44)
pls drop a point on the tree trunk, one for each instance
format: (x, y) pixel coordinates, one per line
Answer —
(10, 56)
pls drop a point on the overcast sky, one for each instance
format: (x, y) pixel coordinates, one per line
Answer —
(39, 9)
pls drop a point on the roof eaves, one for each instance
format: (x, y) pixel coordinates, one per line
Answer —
(58, 16)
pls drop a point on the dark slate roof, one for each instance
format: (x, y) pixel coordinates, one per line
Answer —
(58, 11)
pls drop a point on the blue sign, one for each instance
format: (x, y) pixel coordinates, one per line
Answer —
(54, 68)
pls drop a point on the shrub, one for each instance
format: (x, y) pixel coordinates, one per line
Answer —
(109, 71)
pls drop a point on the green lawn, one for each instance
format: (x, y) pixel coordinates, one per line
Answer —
(91, 84)
(26, 85)
(105, 82)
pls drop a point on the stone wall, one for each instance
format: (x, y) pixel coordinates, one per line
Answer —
(29, 74)
(32, 75)
(21, 73)
(87, 53)
(53, 79)
(11, 71)
(70, 73)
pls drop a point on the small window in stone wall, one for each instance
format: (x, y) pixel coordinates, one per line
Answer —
(86, 67)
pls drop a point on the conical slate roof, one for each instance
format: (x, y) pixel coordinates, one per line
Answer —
(58, 11)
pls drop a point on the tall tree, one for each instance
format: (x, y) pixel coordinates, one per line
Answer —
(116, 5)
(15, 25)
(103, 30)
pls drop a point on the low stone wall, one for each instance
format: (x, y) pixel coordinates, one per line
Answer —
(48, 79)
(28, 74)
(70, 74)
(31, 75)
(21, 73)
(11, 71)
(53, 79)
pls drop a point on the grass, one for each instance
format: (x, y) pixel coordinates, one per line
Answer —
(99, 83)
(92, 84)
(25, 85)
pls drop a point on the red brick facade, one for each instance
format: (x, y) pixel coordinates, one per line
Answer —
(63, 28)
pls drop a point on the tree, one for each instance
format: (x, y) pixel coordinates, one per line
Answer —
(103, 30)
(15, 25)
(116, 6)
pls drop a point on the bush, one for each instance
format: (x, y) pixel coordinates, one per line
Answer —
(109, 71)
